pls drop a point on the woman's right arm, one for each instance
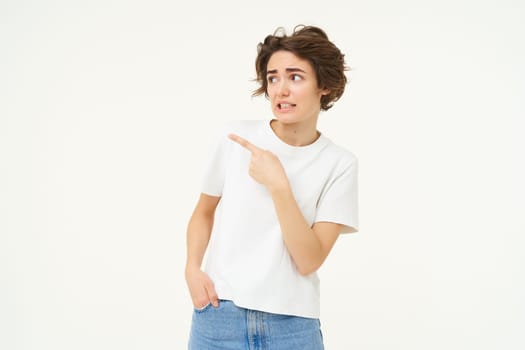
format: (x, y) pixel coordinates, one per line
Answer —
(199, 230)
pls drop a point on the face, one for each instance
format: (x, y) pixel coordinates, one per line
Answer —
(292, 88)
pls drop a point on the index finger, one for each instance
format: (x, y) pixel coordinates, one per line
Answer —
(244, 143)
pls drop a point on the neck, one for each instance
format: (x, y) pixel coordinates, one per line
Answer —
(296, 134)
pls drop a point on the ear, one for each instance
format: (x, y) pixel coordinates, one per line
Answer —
(325, 92)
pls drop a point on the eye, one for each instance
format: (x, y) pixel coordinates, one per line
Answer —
(271, 79)
(296, 77)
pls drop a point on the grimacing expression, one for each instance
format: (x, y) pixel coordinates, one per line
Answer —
(292, 88)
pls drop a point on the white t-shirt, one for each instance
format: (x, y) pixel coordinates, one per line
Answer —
(247, 259)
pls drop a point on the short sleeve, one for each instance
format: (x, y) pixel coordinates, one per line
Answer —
(213, 179)
(338, 202)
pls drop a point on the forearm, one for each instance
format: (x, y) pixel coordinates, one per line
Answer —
(197, 238)
(299, 238)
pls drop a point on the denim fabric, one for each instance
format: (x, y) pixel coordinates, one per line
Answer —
(231, 327)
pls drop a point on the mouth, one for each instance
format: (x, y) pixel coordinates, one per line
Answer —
(285, 106)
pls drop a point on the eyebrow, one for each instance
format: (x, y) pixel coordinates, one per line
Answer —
(273, 71)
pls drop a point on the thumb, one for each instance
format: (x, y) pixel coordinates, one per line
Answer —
(212, 294)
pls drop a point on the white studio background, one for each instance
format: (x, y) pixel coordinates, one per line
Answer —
(107, 109)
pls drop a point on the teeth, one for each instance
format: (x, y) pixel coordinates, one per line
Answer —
(286, 105)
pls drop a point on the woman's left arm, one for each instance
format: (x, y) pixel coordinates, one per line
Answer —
(308, 246)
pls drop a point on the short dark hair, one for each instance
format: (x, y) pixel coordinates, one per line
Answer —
(312, 44)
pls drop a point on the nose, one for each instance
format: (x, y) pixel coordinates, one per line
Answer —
(282, 88)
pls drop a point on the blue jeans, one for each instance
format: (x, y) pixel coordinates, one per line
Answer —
(231, 327)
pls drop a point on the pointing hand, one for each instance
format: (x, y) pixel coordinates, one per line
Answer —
(265, 167)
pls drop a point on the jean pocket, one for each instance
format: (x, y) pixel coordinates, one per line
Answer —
(202, 309)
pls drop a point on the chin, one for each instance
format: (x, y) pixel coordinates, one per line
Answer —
(286, 119)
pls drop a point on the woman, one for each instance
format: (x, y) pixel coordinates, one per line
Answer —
(286, 192)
